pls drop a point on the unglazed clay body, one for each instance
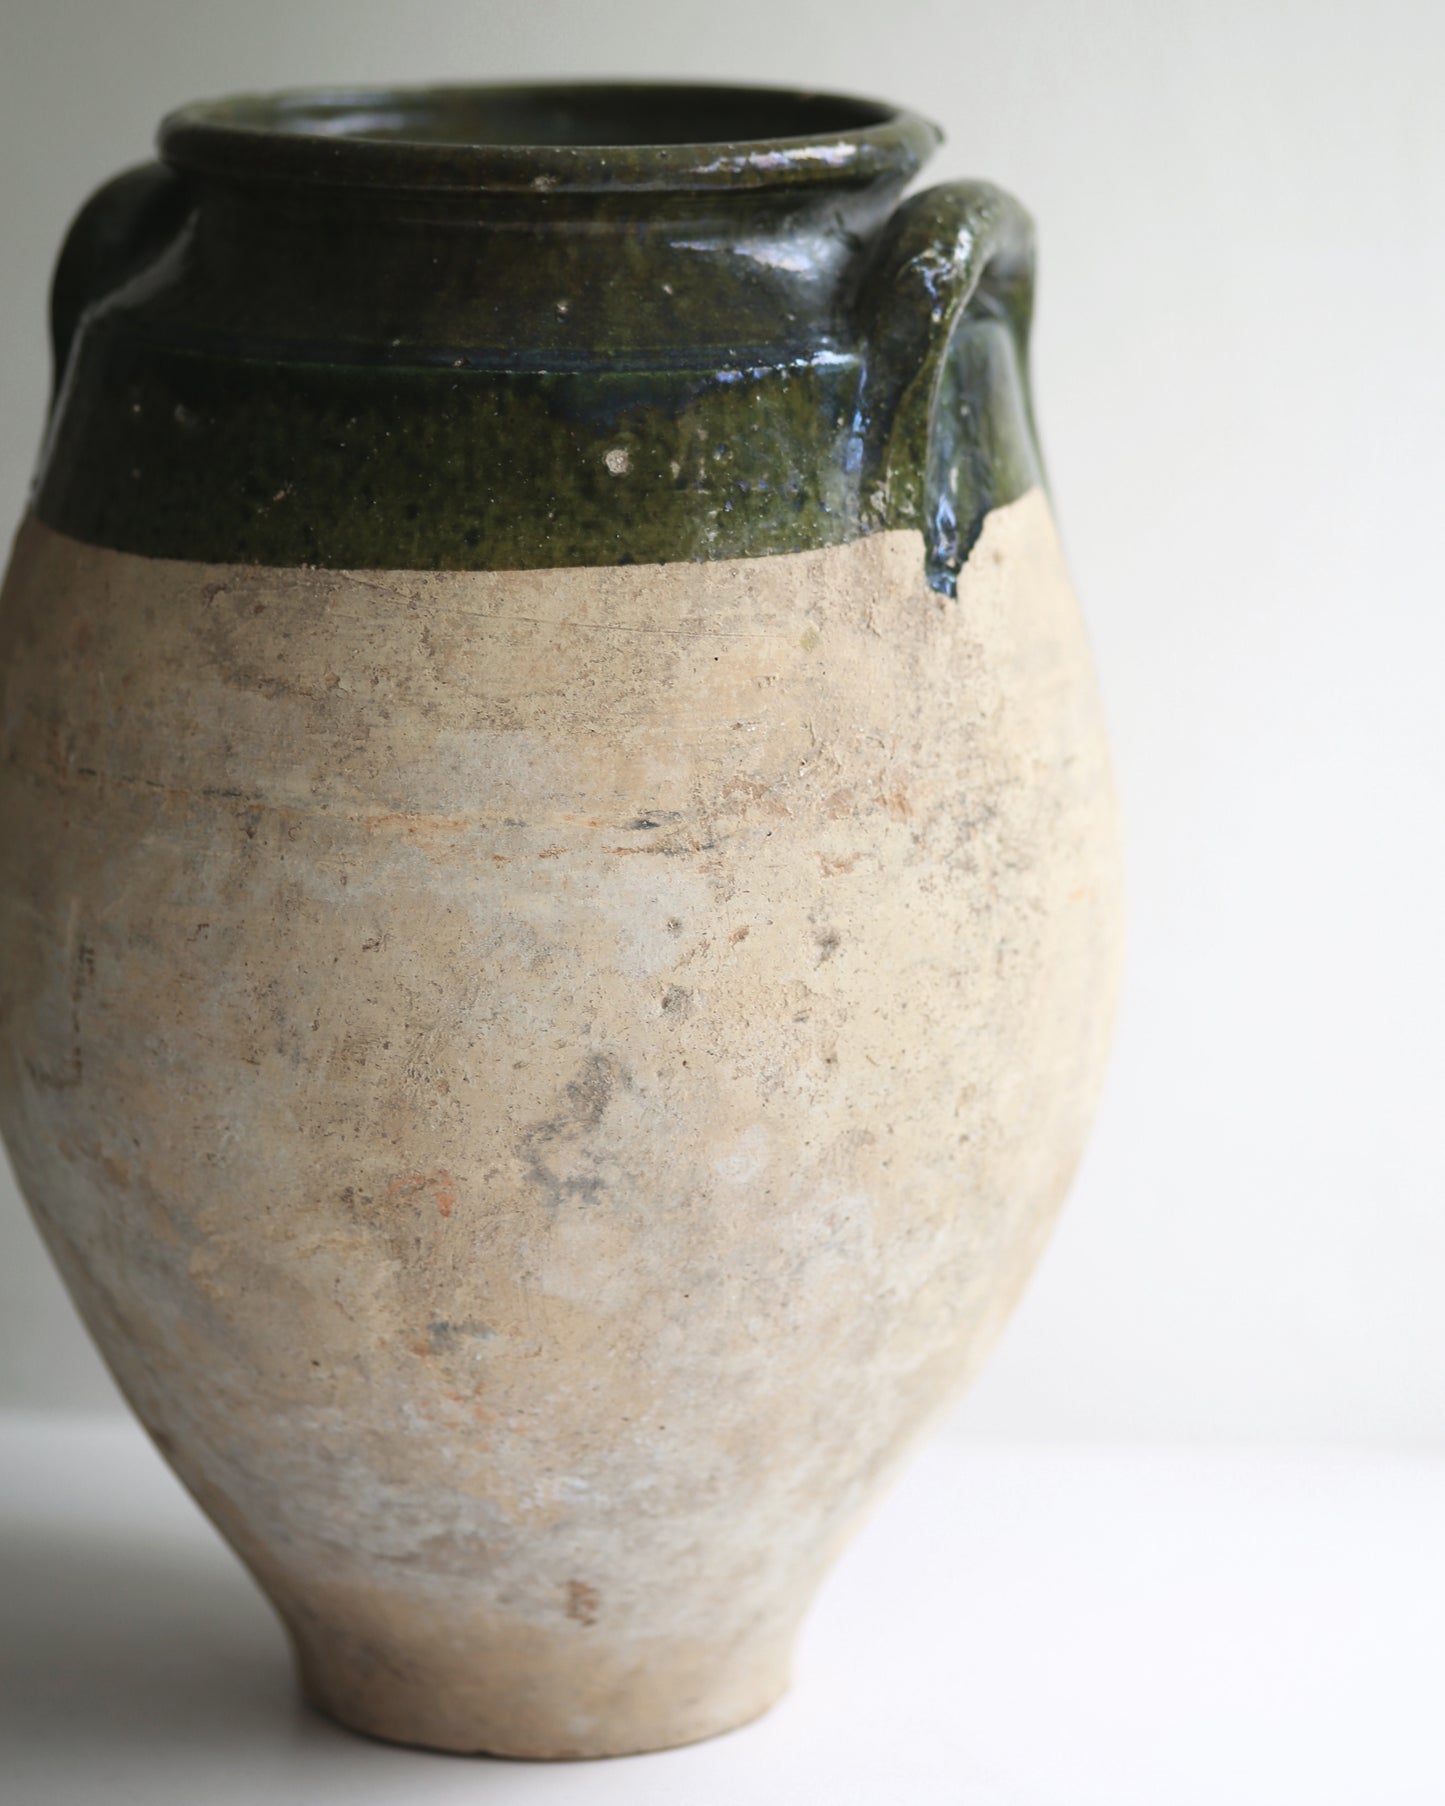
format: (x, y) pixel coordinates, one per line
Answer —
(540, 1080)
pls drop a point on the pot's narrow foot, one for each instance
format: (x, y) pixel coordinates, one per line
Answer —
(539, 1698)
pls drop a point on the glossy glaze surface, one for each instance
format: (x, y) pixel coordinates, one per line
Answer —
(384, 331)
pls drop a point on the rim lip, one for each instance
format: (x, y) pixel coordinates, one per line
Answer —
(253, 136)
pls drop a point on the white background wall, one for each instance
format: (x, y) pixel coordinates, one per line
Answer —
(1241, 387)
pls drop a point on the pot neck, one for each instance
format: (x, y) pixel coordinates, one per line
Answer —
(532, 226)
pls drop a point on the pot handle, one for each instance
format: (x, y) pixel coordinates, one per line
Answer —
(958, 256)
(120, 230)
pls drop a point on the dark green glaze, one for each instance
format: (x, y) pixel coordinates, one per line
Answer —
(513, 328)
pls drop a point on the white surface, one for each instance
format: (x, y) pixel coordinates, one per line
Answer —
(1241, 386)
(1018, 1627)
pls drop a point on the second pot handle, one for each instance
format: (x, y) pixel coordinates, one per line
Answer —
(120, 230)
(962, 248)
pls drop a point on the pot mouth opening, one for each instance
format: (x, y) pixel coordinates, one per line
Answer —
(579, 136)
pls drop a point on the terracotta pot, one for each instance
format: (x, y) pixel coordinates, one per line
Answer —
(559, 892)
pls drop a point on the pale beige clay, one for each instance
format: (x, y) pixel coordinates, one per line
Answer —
(540, 1083)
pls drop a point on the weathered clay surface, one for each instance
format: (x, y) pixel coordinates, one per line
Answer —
(541, 1082)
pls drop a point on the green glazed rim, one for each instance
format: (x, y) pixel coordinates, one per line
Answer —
(431, 328)
(535, 138)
